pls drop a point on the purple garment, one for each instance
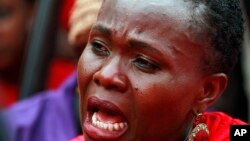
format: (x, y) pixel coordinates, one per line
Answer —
(48, 116)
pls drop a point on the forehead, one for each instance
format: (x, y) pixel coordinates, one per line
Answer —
(166, 12)
(154, 16)
(174, 7)
(155, 19)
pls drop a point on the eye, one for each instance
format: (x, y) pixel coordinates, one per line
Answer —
(99, 48)
(145, 64)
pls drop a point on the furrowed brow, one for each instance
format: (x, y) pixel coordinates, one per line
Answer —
(142, 45)
(102, 29)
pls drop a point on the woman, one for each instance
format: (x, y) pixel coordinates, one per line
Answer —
(15, 23)
(152, 68)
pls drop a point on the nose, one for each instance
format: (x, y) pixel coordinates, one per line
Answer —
(111, 77)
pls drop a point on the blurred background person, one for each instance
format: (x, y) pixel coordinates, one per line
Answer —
(15, 23)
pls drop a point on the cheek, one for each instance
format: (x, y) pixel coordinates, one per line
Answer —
(159, 103)
(12, 42)
(12, 39)
(14, 27)
(88, 64)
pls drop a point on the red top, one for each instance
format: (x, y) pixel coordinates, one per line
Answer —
(8, 94)
(79, 138)
(219, 125)
(217, 122)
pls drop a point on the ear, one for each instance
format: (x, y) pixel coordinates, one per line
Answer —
(212, 88)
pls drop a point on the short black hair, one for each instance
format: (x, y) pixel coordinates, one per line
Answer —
(222, 22)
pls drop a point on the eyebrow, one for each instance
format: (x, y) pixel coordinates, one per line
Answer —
(102, 29)
(134, 43)
(142, 45)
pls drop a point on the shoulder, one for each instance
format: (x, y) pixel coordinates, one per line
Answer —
(29, 105)
(221, 119)
(43, 111)
(219, 125)
(44, 101)
(79, 138)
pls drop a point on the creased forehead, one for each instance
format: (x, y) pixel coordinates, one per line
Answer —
(179, 13)
(180, 10)
(179, 7)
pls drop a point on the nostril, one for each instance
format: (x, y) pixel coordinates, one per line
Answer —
(97, 81)
(114, 87)
(110, 81)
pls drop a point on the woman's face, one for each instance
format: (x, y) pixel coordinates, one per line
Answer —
(140, 73)
(14, 20)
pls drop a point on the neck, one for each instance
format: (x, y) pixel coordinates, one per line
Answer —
(186, 131)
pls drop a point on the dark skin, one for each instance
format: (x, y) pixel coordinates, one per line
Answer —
(15, 19)
(15, 16)
(141, 58)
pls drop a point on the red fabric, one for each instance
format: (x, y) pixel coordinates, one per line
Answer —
(79, 138)
(218, 124)
(8, 94)
(59, 70)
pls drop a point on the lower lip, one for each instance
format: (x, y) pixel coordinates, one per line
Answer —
(98, 134)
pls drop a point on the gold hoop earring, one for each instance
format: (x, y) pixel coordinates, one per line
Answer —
(200, 130)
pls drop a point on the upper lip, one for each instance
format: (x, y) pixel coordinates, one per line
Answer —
(95, 104)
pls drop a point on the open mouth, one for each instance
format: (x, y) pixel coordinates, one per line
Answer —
(110, 126)
(104, 121)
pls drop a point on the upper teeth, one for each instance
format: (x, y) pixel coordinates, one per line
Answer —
(108, 126)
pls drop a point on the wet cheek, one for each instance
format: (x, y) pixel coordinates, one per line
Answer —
(156, 104)
(87, 66)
